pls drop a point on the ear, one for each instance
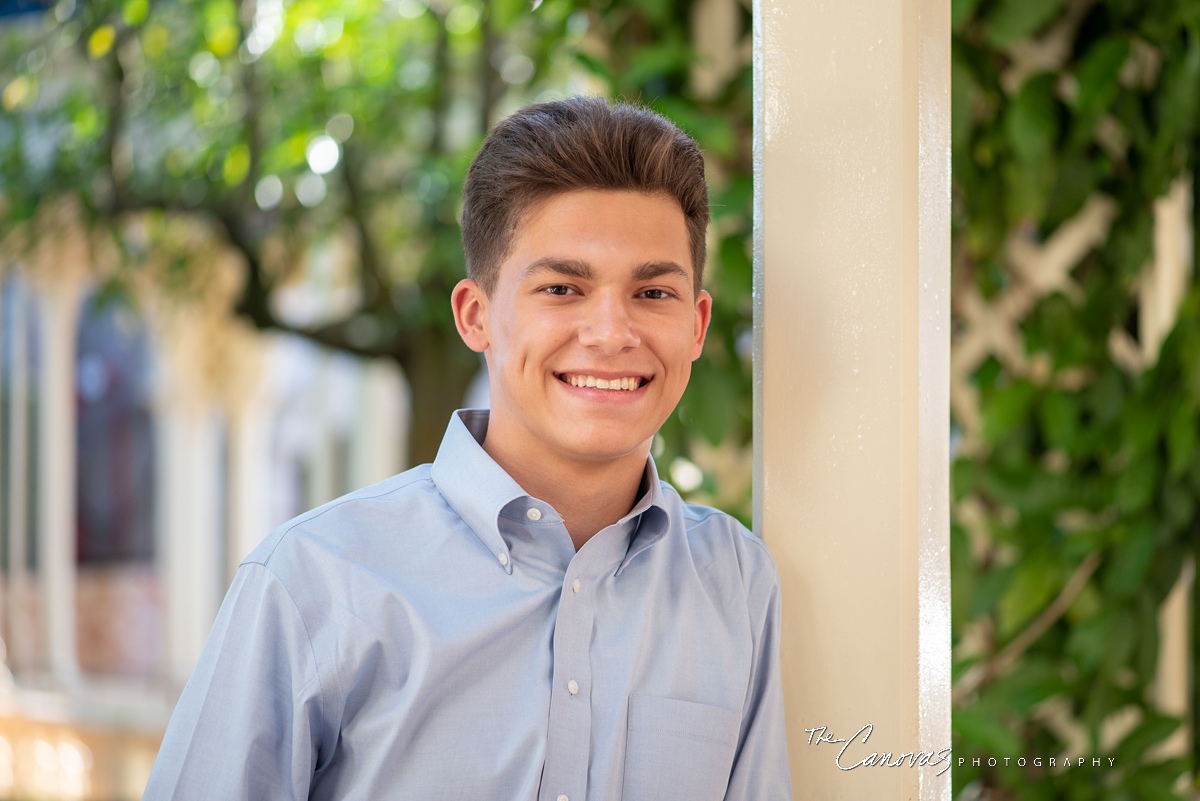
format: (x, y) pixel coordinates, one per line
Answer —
(703, 316)
(469, 303)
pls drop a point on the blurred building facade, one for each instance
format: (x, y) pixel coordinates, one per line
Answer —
(145, 447)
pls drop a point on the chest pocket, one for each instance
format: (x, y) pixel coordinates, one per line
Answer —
(678, 750)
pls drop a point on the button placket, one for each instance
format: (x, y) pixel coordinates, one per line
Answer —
(568, 738)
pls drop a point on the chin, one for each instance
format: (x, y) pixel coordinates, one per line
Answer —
(607, 448)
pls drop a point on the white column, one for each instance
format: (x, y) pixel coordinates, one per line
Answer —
(189, 530)
(852, 127)
(321, 481)
(251, 425)
(249, 481)
(59, 304)
(20, 641)
(379, 440)
(190, 524)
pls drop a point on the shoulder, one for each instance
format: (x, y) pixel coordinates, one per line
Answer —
(718, 542)
(351, 522)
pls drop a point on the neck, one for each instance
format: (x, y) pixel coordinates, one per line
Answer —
(589, 495)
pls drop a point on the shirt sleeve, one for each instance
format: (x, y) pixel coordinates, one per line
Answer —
(760, 768)
(247, 723)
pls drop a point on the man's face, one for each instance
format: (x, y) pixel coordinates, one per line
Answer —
(596, 292)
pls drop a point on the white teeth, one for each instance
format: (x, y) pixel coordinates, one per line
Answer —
(628, 383)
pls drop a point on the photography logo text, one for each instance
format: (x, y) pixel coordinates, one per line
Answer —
(852, 753)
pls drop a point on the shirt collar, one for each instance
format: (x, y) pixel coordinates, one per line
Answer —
(478, 489)
(653, 520)
(471, 482)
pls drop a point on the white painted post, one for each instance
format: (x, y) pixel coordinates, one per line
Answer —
(189, 530)
(327, 375)
(19, 646)
(59, 303)
(852, 379)
(249, 480)
(379, 440)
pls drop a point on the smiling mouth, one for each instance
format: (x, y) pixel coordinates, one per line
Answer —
(625, 383)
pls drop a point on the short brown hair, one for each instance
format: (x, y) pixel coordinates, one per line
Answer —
(578, 143)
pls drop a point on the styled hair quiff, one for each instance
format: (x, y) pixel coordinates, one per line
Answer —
(578, 143)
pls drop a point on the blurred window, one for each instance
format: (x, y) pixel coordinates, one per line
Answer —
(116, 435)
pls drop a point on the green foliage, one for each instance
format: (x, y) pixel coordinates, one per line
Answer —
(291, 126)
(1075, 494)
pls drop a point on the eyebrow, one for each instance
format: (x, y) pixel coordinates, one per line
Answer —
(575, 268)
(571, 268)
(657, 269)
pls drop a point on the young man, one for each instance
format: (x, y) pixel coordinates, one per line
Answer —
(534, 615)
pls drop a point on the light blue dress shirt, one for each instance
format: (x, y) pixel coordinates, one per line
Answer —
(436, 636)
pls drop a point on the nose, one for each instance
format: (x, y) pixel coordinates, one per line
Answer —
(608, 325)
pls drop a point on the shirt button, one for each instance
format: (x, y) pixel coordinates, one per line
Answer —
(534, 514)
(575, 585)
(503, 558)
(563, 798)
(572, 686)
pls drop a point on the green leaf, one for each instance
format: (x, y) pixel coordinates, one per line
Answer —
(963, 478)
(134, 12)
(1154, 781)
(1099, 72)
(1136, 485)
(1031, 120)
(1154, 729)
(1140, 428)
(991, 589)
(711, 402)
(736, 270)
(979, 727)
(961, 11)
(1029, 184)
(1088, 641)
(1119, 649)
(1029, 683)
(1145, 660)
(1087, 604)
(1106, 396)
(1007, 408)
(963, 89)
(1058, 414)
(1036, 581)
(656, 62)
(1181, 439)
(506, 12)
(1128, 563)
(1011, 20)
(1178, 506)
(1179, 102)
